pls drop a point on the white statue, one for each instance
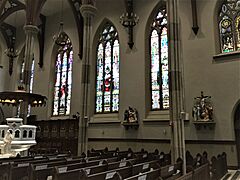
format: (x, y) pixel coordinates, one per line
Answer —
(7, 142)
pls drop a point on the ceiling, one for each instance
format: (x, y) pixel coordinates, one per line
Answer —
(50, 8)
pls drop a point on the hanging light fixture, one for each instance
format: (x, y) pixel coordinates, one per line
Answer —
(61, 38)
(129, 20)
(10, 51)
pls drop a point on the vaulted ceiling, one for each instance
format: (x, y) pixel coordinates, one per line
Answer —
(50, 7)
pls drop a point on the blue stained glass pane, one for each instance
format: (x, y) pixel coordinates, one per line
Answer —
(107, 101)
(99, 103)
(107, 69)
(155, 68)
(164, 62)
(31, 85)
(155, 100)
(225, 27)
(229, 27)
(55, 108)
(99, 84)
(22, 71)
(68, 106)
(31, 77)
(115, 104)
(238, 31)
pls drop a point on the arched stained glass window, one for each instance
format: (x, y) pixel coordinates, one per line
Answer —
(159, 61)
(63, 80)
(31, 77)
(107, 72)
(31, 81)
(229, 26)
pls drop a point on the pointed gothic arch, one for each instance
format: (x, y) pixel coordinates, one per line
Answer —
(107, 63)
(62, 81)
(156, 67)
(227, 25)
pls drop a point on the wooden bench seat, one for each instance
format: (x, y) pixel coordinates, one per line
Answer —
(63, 172)
(149, 175)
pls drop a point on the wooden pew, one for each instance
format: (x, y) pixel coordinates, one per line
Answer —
(188, 176)
(202, 172)
(21, 159)
(43, 170)
(124, 172)
(72, 170)
(166, 172)
(149, 175)
(20, 170)
(144, 167)
(5, 171)
(170, 172)
(68, 171)
(219, 166)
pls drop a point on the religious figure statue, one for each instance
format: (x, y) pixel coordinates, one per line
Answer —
(202, 109)
(131, 115)
(7, 142)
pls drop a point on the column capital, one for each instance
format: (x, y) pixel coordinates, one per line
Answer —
(31, 28)
(88, 10)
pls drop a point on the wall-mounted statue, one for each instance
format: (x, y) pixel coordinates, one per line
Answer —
(131, 115)
(202, 108)
(7, 142)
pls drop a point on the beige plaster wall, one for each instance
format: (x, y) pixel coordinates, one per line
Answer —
(218, 78)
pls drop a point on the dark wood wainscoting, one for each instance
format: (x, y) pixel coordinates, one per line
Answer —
(56, 136)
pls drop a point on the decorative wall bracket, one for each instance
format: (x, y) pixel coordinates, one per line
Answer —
(128, 125)
(203, 124)
(129, 20)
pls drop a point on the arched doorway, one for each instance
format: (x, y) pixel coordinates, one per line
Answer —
(237, 131)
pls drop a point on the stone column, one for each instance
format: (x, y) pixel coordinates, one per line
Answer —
(176, 84)
(31, 33)
(88, 11)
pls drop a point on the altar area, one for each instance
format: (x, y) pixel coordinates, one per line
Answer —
(16, 138)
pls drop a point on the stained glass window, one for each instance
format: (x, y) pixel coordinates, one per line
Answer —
(31, 81)
(31, 77)
(63, 80)
(229, 26)
(107, 72)
(159, 61)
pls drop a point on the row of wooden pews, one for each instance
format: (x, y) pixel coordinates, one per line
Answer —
(105, 164)
(199, 167)
(126, 163)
